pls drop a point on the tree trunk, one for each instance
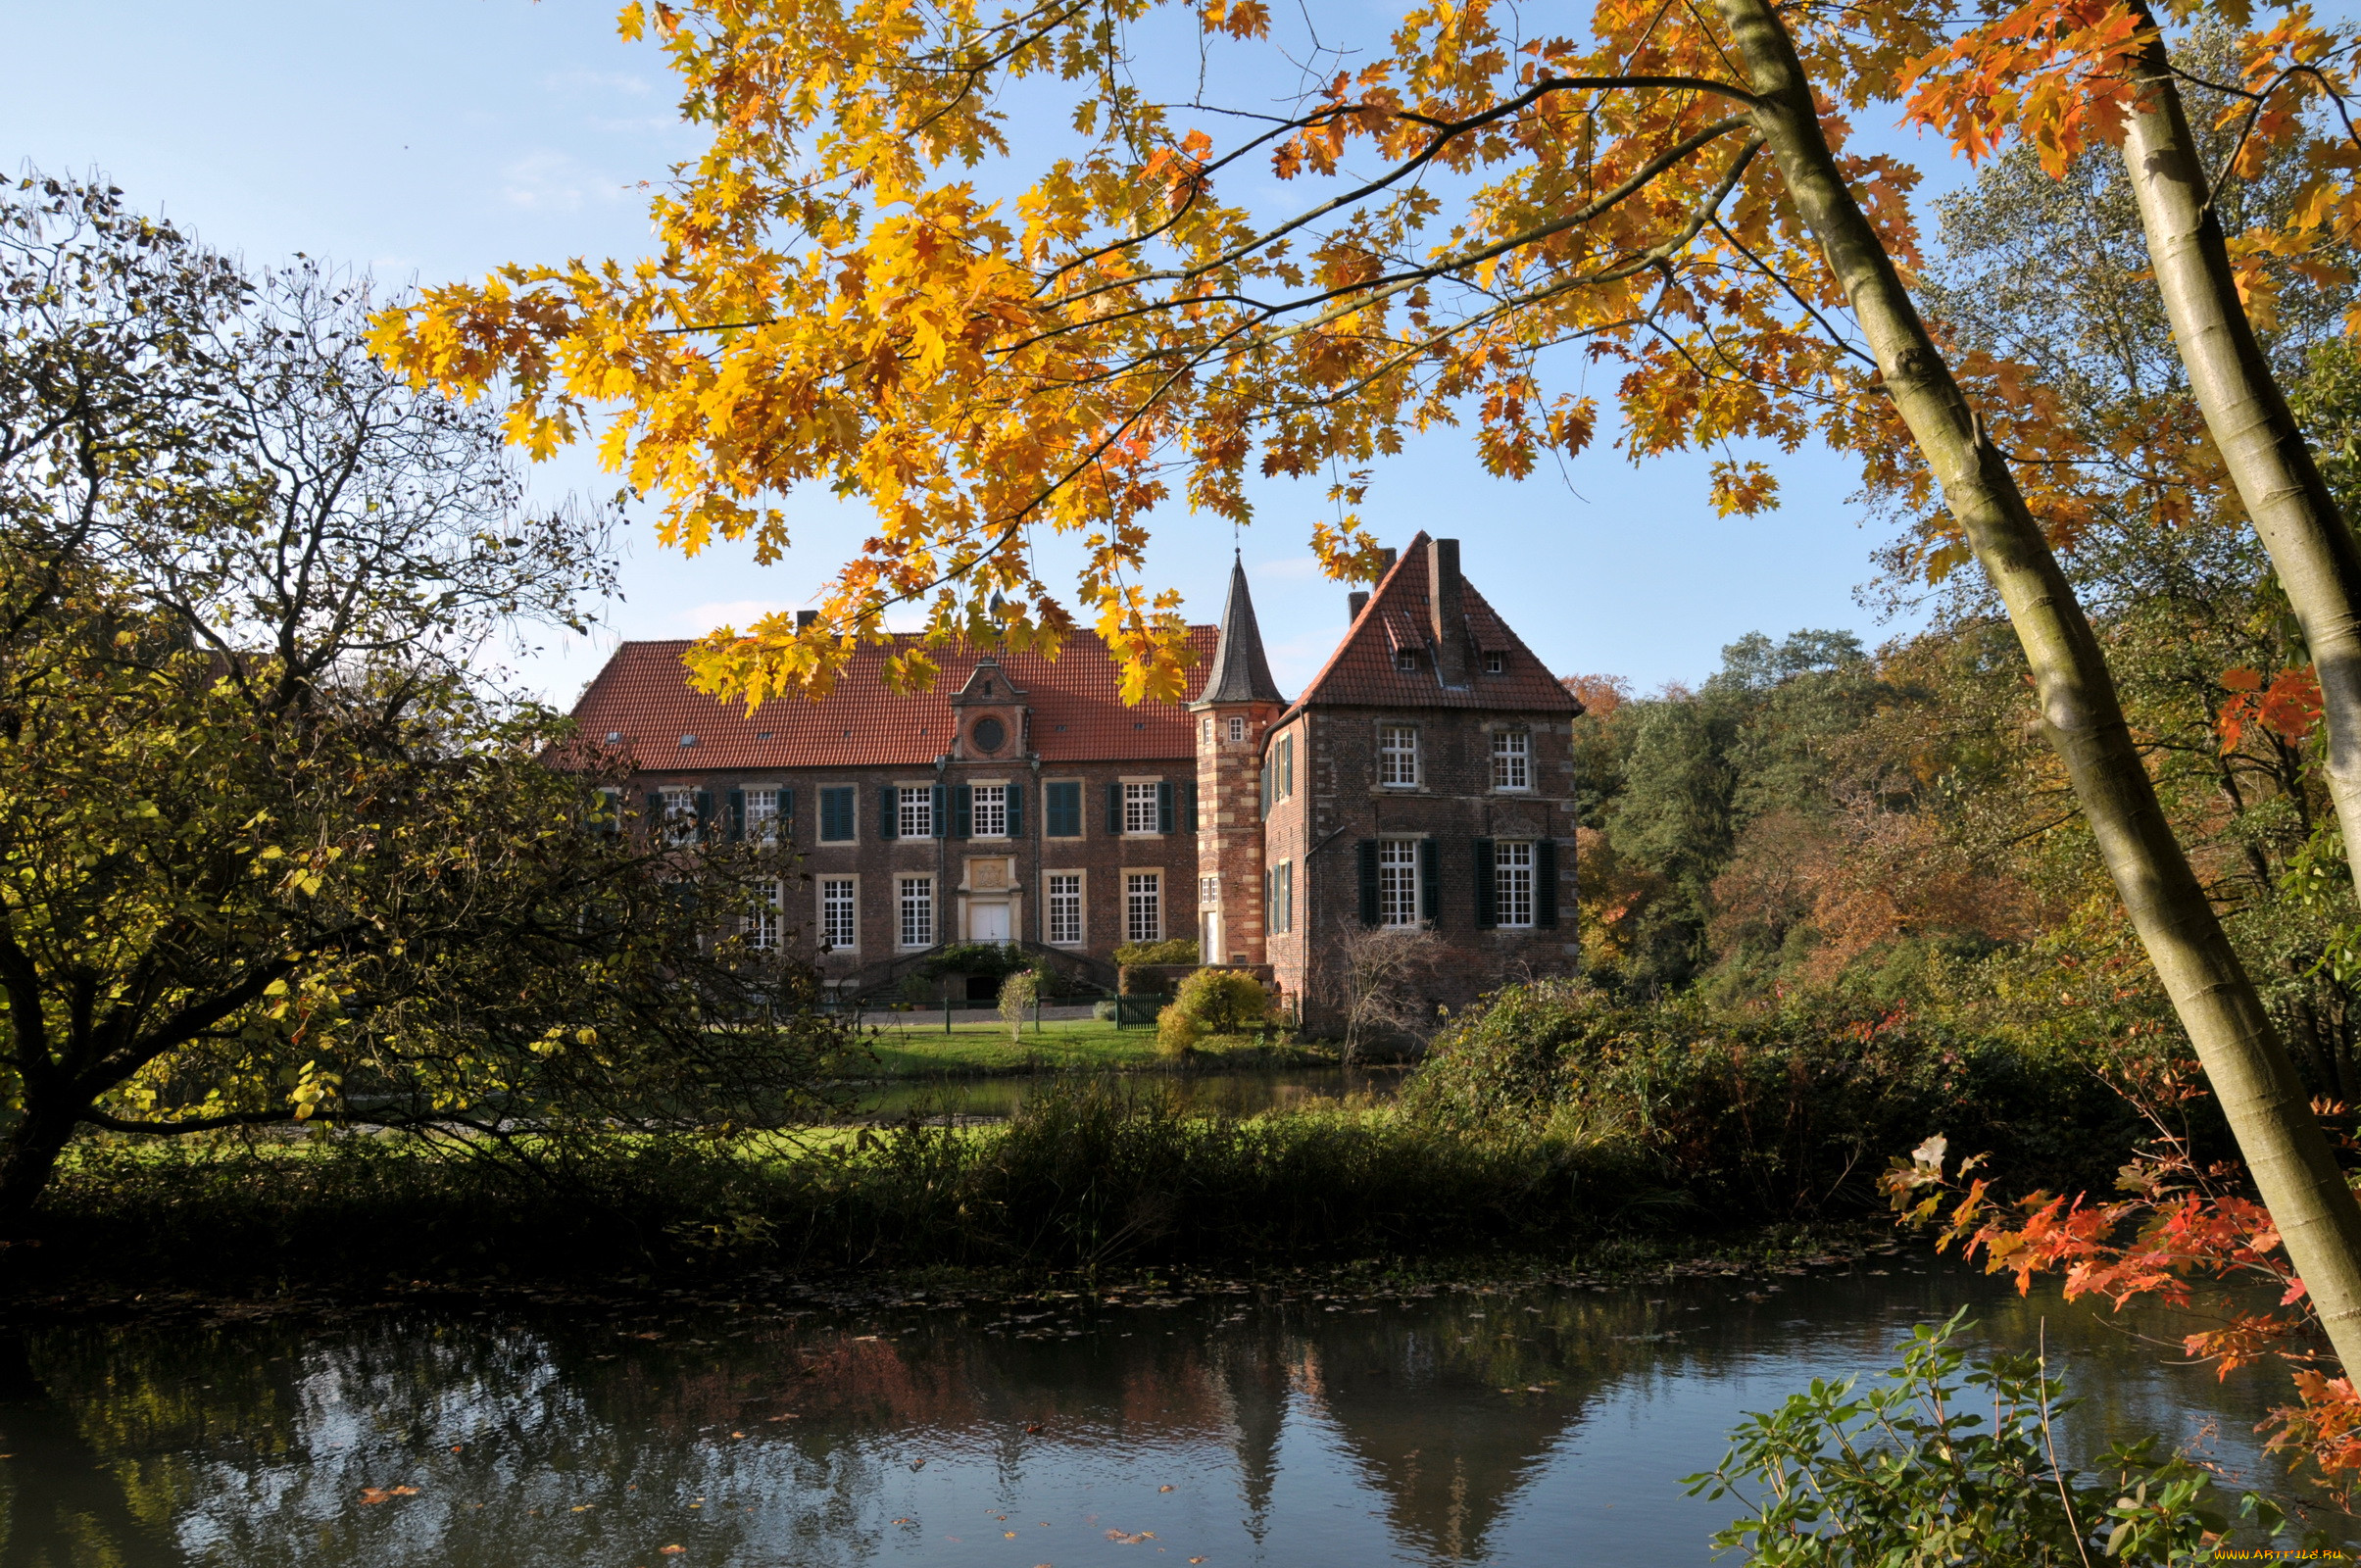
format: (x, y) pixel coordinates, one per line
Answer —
(27, 1158)
(2260, 1094)
(2314, 551)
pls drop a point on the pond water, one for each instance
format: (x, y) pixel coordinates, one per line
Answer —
(1223, 1427)
(1234, 1093)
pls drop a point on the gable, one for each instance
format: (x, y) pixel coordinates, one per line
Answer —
(1364, 670)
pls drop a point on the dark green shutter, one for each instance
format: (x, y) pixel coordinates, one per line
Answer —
(737, 815)
(1430, 880)
(836, 816)
(1266, 788)
(704, 812)
(942, 800)
(1114, 808)
(1163, 806)
(656, 814)
(1061, 806)
(1368, 860)
(963, 811)
(889, 815)
(1488, 910)
(1545, 882)
(786, 816)
(1016, 810)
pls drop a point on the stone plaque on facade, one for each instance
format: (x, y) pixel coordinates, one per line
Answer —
(987, 873)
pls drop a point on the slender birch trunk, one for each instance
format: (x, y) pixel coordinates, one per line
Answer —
(2314, 551)
(2260, 1094)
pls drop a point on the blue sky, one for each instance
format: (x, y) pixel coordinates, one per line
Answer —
(439, 138)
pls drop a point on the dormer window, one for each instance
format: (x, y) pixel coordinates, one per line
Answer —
(1405, 658)
(688, 740)
(989, 733)
(1493, 664)
(615, 737)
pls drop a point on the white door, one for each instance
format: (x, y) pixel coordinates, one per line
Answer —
(987, 922)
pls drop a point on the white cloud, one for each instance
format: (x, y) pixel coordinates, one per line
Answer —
(595, 81)
(554, 183)
(1294, 568)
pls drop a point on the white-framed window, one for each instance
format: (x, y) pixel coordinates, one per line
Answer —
(762, 815)
(1139, 808)
(1237, 731)
(680, 816)
(1513, 882)
(1209, 892)
(839, 914)
(914, 817)
(1065, 907)
(918, 924)
(1405, 658)
(1143, 906)
(988, 812)
(1398, 756)
(1283, 896)
(1397, 882)
(1204, 731)
(1511, 759)
(761, 923)
(1494, 664)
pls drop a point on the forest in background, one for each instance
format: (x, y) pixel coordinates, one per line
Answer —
(1819, 820)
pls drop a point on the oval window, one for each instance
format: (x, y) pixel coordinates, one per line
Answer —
(989, 733)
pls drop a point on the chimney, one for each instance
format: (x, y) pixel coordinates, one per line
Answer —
(1448, 621)
(1359, 599)
(1387, 553)
(805, 617)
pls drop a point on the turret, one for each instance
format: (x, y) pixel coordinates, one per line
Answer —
(1238, 702)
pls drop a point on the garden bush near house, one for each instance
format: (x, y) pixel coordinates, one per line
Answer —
(1224, 1002)
(1017, 993)
(1176, 1033)
(1178, 950)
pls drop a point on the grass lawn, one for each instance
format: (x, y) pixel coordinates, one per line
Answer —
(917, 1049)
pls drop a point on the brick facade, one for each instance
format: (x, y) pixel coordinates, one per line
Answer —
(1425, 779)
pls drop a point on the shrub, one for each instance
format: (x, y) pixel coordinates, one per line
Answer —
(1909, 1472)
(1176, 1032)
(1179, 950)
(1773, 1113)
(976, 958)
(1016, 993)
(1224, 1002)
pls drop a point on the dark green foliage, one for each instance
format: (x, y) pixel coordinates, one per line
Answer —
(1095, 1172)
(1172, 949)
(1788, 1113)
(1915, 1472)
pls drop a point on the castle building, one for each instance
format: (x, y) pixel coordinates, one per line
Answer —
(1423, 780)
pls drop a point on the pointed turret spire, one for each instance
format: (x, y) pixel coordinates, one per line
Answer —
(1241, 674)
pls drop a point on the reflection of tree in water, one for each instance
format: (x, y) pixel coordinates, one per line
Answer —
(250, 1445)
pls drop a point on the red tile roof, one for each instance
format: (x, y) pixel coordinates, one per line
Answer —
(643, 695)
(1361, 672)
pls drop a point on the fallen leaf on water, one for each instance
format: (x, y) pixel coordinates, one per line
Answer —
(789, 1416)
(370, 1494)
(582, 1508)
(671, 1551)
(737, 1434)
(1008, 1535)
(1197, 1559)
(1163, 1489)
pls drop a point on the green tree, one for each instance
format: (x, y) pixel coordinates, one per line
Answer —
(270, 852)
